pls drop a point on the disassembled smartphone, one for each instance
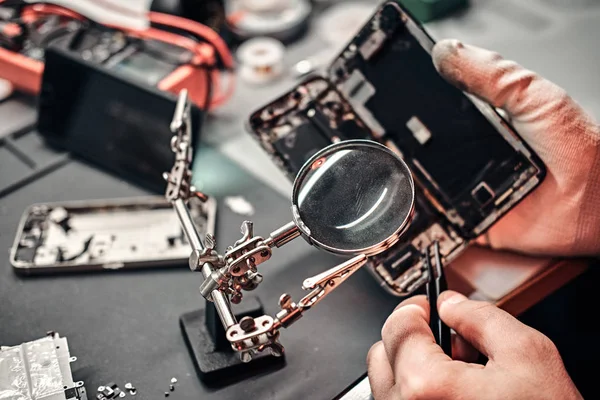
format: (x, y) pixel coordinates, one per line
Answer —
(469, 165)
(39, 370)
(105, 234)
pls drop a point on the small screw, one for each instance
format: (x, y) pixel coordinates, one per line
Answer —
(133, 392)
(194, 261)
(210, 242)
(236, 298)
(166, 394)
(129, 386)
(173, 380)
(247, 324)
(285, 301)
(122, 394)
(172, 388)
(245, 357)
(101, 388)
(257, 278)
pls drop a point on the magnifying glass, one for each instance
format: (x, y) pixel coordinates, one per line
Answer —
(353, 197)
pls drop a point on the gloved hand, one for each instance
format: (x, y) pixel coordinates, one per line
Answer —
(562, 216)
(408, 364)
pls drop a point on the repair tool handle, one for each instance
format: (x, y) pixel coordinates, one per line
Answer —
(436, 285)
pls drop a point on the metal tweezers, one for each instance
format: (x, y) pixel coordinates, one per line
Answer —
(436, 285)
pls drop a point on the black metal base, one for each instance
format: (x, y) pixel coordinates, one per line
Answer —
(215, 361)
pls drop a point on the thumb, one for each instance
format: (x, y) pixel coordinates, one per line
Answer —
(492, 331)
(487, 75)
(540, 109)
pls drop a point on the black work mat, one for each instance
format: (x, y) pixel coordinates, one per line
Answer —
(24, 156)
(124, 325)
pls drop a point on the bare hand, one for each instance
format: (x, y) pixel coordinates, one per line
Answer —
(408, 364)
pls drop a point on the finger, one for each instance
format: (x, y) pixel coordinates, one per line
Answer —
(463, 350)
(486, 74)
(381, 378)
(489, 329)
(420, 300)
(408, 340)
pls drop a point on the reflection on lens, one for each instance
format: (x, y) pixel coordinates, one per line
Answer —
(353, 196)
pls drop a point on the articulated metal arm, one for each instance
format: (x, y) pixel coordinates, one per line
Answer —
(226, 276)
(179, 190)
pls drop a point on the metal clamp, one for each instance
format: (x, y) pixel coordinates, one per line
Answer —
(226, 276)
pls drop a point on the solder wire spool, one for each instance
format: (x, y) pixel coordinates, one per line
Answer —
(261, 60)
(284, 20)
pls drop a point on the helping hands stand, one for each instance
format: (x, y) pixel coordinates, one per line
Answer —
(226, 276)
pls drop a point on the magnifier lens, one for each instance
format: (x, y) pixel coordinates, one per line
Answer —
(353, 196)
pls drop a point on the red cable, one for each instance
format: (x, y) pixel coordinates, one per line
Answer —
(34, 11)
(196, 28)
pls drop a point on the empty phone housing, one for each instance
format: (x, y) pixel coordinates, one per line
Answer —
(469, 165)
(105, 234)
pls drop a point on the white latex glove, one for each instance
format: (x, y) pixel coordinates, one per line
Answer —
(562, 216)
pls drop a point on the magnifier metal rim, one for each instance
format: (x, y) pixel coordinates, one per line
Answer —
(369, 251)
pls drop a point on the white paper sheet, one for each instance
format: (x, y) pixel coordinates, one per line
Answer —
(131, 13)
